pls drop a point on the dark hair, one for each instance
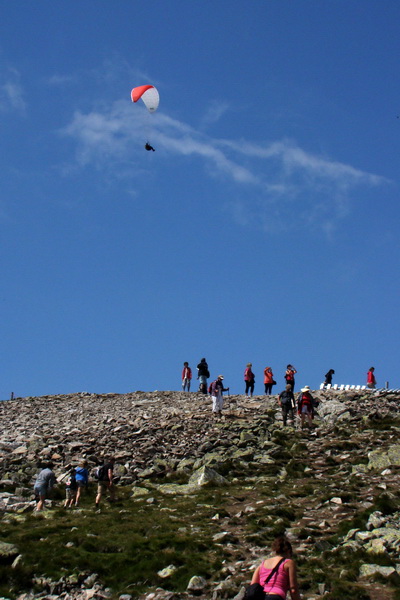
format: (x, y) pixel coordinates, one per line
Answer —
(282, 546)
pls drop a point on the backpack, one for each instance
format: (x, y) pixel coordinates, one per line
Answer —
(100, 473)
(286, 398)
(71, 482)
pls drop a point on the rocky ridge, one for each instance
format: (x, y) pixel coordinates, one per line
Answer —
(353, 456)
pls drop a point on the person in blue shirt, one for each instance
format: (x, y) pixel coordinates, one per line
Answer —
(82, 479)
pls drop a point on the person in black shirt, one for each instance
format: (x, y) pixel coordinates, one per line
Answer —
(105, 482)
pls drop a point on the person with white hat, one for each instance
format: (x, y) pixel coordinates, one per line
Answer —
(216, 391)
(305, 406)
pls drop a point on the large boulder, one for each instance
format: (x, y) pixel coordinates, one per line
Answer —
(206, 476)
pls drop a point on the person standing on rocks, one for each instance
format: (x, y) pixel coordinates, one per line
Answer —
(287, 403)
(289, 376)
(82, 479)
(45, 482)
(105, 481)
(328, 377)
(249, 379)
(277, 574)
(371, 381)
(268, 380)
(216, 391)
(305, 406)
(202, 375)
(186, 376)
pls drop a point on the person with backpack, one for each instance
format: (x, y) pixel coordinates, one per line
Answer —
(268, 380)
(277, 574)
(44, 483)
(202, 375)
(305, 406)
(249, 379)
(289, 376)
(186, 376)
(70, 489)
(105, 475)
(287, 403)
(216, 390)
(82, 479)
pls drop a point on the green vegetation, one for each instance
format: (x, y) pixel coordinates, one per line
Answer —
(126, 544)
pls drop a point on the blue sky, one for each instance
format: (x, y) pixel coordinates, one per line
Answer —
(263, 229)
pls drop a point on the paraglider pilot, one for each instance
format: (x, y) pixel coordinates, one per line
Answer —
(148, 147)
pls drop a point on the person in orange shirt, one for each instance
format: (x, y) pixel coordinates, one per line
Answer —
(268, 380)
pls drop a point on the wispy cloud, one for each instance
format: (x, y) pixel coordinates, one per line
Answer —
(11, 92)
(268, 180)
(214, 113)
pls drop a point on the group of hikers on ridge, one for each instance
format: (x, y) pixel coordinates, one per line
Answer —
(203, 375)
(305, 406)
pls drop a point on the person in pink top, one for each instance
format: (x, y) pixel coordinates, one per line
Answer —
(285, 578)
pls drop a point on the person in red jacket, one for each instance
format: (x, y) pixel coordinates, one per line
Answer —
(289, 376)
(371, 381)
(186, 376)
(268, 380)
(249, 379)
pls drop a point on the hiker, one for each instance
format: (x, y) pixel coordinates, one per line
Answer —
(287, 403)
(250, 379)
(328, 377)
(289, 375)
(371, 381)
(305, 406)
(216, 391)
(105, 481)
(268, 380)
(202, 375)
(44, 484)
(277, 574)
(82, 479)
(186, 376)
(70, 489)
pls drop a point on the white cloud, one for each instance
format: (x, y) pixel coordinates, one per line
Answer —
(270, 182)
(214, 113)
(11, 92)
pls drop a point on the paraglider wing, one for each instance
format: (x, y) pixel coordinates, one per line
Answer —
(149, 95)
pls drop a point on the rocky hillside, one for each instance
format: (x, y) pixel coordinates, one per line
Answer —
(200, 499)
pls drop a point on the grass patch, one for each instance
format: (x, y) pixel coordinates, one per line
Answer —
(126, 544)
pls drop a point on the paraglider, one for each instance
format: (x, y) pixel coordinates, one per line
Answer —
(149, 94)
(151, 99)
